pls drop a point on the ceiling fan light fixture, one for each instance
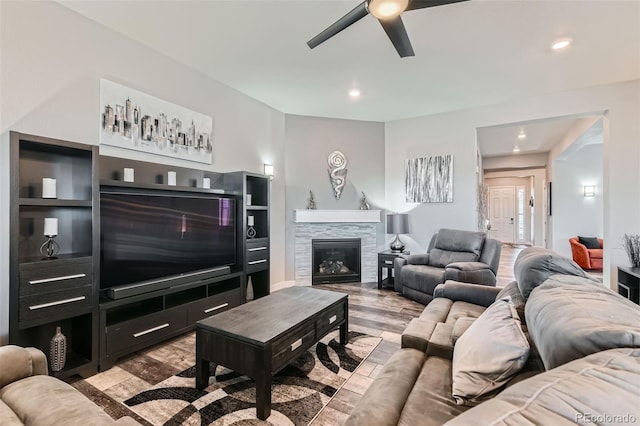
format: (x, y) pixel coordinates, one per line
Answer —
(387, 9)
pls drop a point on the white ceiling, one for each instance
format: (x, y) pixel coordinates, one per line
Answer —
(467, 54)
(541, 136)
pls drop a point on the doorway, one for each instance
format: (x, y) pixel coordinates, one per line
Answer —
(502, 213)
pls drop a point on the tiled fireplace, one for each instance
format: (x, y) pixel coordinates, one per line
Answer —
(335, 225)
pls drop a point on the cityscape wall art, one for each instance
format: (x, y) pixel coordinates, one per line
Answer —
(135, 120)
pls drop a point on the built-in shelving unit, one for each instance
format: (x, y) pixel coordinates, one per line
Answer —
(64, 291)
(46, 293)
(253, 241)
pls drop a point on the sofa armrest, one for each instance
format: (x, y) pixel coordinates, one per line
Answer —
(470, 272)
(19, 363)
(468, 266)
(464, 292)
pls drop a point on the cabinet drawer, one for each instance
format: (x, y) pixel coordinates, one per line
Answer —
(290, 346)
(329, 319)
(258, 253)
(212, 305)
(55, 305)
(145, 330)
(42, 277)
(257, 243)
(257, 265)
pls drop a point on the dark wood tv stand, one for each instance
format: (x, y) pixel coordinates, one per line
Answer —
(44, 294)
(133, 323)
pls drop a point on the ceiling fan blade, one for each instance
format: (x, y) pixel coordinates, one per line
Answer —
(398, 36)
(350, 18)
(422, 4)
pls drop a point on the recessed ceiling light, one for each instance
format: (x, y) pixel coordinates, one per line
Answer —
(354, 93)
(516, 149)
(522, 135)
(561, 43)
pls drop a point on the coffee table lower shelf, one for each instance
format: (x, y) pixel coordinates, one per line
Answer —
(221, 341)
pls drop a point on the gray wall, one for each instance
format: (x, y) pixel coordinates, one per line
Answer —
(455, 132)
(308, 143)
(52, 61)
(573, 213)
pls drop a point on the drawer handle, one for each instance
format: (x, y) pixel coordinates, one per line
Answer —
(255, 262)
(215, 308)
(50, 280)
(333, 319)
(295, 345)
(57, 302)
(151, 330)
(257, 249)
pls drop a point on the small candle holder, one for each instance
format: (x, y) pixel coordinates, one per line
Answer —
(50, 248)
(251, 232)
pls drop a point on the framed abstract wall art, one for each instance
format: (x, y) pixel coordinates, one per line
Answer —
(429, 179)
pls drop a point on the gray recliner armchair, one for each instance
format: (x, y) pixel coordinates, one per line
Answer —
(464, 256)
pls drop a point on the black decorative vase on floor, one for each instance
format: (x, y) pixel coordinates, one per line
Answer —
(58, 353)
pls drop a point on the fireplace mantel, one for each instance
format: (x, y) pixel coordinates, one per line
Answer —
(336, 216)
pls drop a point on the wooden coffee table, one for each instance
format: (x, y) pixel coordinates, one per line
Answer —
(259, 338)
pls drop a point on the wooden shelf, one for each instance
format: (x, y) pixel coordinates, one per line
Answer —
(258, 208)
(54, 202)
(159, 186)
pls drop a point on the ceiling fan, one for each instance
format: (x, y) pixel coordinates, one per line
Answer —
(388, 14)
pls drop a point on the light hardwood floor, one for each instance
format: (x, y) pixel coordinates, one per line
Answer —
(382, 313)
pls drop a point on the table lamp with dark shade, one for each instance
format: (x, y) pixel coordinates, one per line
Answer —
(397, 224)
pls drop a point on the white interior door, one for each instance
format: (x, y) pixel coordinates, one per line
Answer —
(502, 213)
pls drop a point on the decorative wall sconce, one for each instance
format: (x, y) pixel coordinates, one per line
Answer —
(589, 191)
(268, 170)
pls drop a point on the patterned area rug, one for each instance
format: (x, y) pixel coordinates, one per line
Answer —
(299, 391)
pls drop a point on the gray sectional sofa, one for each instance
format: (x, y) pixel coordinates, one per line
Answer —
(582, 363)
(29, 396)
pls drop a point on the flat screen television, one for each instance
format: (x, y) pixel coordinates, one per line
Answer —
(151, 236)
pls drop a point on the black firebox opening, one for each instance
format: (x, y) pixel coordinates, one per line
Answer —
(336, 260)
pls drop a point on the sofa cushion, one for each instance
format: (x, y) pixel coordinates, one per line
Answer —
(570, 317)
(384, 400)
(430, 402)
(7, 416)
(417, 334)
(423, 278)
(605, 385)
(437, 310)
(456, 240)
(441, 258)
(489, 353)
(463, 310)
(513, 291)
(44, 400)
(589, 242)
(453, 245)
(534, 265)
(595, 253)
(20, 363)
